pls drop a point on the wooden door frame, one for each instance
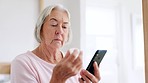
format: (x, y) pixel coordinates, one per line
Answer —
(145, 25)
(41, 5)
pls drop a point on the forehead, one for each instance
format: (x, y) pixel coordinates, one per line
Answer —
(59, 15)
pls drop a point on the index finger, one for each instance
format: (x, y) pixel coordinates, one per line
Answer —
(73, 55)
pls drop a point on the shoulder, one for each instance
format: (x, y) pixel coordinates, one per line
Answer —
(23, 62)
(22, 59)
(22, 69)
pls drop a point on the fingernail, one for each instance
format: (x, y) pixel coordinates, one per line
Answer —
(83, 70)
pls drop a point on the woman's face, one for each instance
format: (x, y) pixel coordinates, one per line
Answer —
(55, 29)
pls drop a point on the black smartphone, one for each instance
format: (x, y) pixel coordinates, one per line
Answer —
(98, 56)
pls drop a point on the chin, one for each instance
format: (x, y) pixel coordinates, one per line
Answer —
(57, 46)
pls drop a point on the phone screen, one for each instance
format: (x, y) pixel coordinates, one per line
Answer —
(98, 56)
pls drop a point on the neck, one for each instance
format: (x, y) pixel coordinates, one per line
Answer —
(48, 54)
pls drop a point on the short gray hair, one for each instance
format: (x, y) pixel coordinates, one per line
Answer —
(42, 18)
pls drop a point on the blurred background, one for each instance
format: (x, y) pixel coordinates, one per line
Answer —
(114, 25)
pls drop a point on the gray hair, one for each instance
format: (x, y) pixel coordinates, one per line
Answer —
(42, 18)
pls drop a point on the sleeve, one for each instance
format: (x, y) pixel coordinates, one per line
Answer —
(21, 72)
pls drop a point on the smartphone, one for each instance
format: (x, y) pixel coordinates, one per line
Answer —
(98, 56)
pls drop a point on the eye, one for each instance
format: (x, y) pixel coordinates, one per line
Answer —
(54, 25)
(64, 27)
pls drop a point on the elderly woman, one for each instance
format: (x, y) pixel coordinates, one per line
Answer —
(46, 63)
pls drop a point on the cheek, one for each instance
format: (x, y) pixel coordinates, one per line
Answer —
(66, 36)
(48, 35)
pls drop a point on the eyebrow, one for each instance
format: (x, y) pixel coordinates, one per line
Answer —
(53, 19)
(57, 20)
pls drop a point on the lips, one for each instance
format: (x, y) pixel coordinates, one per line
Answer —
(58, 40)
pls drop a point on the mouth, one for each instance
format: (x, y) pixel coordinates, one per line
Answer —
(58, 40)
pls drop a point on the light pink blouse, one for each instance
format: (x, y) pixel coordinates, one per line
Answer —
(28, 68)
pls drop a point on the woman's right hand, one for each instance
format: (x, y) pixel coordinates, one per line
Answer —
(69, 66)
(90, 78)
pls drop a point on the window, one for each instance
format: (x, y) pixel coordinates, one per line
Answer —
(101, 34)
(117, 29)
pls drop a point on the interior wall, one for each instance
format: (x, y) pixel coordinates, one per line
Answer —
(17, 22)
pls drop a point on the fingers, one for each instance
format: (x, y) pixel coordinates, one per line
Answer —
(73, 55)
(73, 60)
(77, 63)
(96, 71)
(88, 77)
(78, 60)
(67, 54)
(71, 64)
(84, 74)
(80, 80)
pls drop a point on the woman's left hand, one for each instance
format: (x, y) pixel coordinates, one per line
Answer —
(88, 77)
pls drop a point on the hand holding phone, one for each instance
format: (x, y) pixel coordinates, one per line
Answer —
(96, 58)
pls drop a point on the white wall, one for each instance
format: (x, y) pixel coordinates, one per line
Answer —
(17, 20)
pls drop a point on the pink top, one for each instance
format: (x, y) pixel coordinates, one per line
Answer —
(28, 68)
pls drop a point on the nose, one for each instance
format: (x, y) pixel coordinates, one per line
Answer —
(59, 30)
